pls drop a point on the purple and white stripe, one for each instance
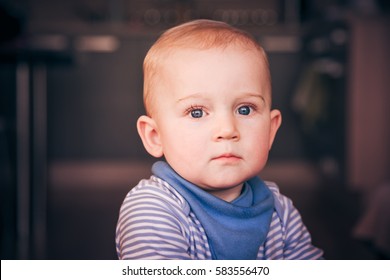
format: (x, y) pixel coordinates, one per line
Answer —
(155, 222)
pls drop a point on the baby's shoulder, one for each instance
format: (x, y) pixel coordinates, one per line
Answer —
(283, 204)
(155, 190)
(273, 187)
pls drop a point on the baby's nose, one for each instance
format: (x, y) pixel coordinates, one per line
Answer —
(226, 129)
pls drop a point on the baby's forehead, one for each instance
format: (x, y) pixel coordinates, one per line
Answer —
(184, 57)
(181, 60)
(175, 57)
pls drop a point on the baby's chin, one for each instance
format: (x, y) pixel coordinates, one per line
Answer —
(223, 181)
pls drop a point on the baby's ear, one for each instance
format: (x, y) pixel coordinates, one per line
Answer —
(147, 130)
(276, 121)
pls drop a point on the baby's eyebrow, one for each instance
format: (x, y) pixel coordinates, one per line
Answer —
(250, 94)
(255, 95)
(198, 95)
(202, 96)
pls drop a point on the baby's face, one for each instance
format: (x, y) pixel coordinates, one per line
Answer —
(214, 119)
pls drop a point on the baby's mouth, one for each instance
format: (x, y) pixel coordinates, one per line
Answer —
(227, 157)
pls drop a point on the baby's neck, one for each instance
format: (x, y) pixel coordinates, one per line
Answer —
(229, 194)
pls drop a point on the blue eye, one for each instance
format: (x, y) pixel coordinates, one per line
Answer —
(197, 113)
(244, 110)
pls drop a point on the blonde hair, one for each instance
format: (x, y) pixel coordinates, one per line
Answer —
(197, 34)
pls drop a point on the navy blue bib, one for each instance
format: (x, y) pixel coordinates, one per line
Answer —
(236, 229)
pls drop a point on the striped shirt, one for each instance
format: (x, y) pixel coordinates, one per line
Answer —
(156, 222)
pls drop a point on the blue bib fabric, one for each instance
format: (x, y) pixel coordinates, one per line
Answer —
(236, 229)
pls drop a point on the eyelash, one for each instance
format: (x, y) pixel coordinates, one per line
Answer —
(252, 107)
(192, 108)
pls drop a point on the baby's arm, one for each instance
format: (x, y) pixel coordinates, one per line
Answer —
(150, 226)
(296, 238)
(298, 244)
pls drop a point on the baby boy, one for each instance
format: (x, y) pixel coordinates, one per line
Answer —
(207, 95)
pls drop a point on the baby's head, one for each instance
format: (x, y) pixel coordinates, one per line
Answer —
(207, 93)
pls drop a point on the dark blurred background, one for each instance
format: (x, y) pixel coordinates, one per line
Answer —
(71, 91)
